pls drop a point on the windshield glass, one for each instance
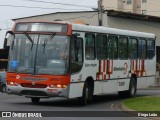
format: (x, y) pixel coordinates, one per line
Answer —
(39, 54)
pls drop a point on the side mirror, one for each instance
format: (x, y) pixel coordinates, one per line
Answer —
(7, 41)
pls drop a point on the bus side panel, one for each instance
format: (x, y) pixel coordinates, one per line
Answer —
(151, 72)
(151, 67)
(141, 82)
(123, 84)
(97, 88)
(110, 86)
(76, 90)
(149, 76)
(150, 81)
(105, 86)
(77, 83)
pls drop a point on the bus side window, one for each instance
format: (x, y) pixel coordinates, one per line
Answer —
(123, 48)
(90, 46)
(132, 48)
(101, 46)
(112, 47)
(150, 48)
(76, 54)
(142, 48)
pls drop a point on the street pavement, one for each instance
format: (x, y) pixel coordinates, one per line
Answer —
(100, 104)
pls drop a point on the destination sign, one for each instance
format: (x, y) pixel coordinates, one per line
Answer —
(41, 27)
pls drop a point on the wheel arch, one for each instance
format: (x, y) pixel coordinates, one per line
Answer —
(3, 84)
(90, 81)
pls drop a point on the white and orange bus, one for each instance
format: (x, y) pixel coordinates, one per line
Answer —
(78, 61)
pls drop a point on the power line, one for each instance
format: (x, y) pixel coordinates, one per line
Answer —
(38, 7)
(60, 3)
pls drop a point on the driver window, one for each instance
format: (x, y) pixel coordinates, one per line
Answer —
(76, 54)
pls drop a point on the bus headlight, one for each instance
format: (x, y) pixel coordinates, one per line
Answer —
(13, 84)
(59, 86)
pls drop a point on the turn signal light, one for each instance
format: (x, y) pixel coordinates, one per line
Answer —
(64, 86)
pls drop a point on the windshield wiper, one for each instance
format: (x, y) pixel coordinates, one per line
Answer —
(49, 38)
(29, 38)
(46, 41)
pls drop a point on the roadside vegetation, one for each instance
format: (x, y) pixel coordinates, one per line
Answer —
(143, 103)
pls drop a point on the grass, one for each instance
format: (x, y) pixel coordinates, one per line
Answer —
(143, 103)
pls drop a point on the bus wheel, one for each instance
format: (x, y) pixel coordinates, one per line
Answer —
(132, 89)
(85, 95)
(4, 89)
(35, 100)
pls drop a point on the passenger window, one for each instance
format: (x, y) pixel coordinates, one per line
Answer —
(123, 48)
(101, 46)
(132, 48)
(113, 47)
(150, 48)
(90, 46)
(142, 50)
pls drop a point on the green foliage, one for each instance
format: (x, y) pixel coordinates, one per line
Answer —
(143, 103)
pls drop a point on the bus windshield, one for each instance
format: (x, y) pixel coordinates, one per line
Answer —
(39, 54)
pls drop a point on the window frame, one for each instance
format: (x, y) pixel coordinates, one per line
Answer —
(151, 39)
(91, 47)
(111, 35)
(130, 38)
(142, 39)
(129, 2)
(97, 47)
(126, 48)
(144, 1)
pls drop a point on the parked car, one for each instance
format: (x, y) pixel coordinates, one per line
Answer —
(3, 82)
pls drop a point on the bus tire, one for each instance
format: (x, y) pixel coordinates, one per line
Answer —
(4, 88)
(35, 99)
(87, 94)
(132, 89)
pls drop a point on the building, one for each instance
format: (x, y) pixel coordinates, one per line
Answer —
(111, 18)
(146, 7)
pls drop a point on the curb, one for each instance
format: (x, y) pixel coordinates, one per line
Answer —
(121, 107)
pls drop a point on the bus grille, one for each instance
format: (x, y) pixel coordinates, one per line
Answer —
(33, 93)
(29, 85)
(34, 79)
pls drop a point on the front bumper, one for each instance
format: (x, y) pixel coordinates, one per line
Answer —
(38, 92)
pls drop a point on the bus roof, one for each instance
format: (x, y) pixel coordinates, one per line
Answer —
(114, 31)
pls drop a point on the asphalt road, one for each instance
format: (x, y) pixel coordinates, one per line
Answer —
(100, 103)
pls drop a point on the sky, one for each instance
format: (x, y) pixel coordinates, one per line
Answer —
(7, 13)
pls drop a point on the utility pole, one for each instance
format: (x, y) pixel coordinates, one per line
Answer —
(100, 12)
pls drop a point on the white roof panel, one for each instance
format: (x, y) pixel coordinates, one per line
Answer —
(99, 29)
